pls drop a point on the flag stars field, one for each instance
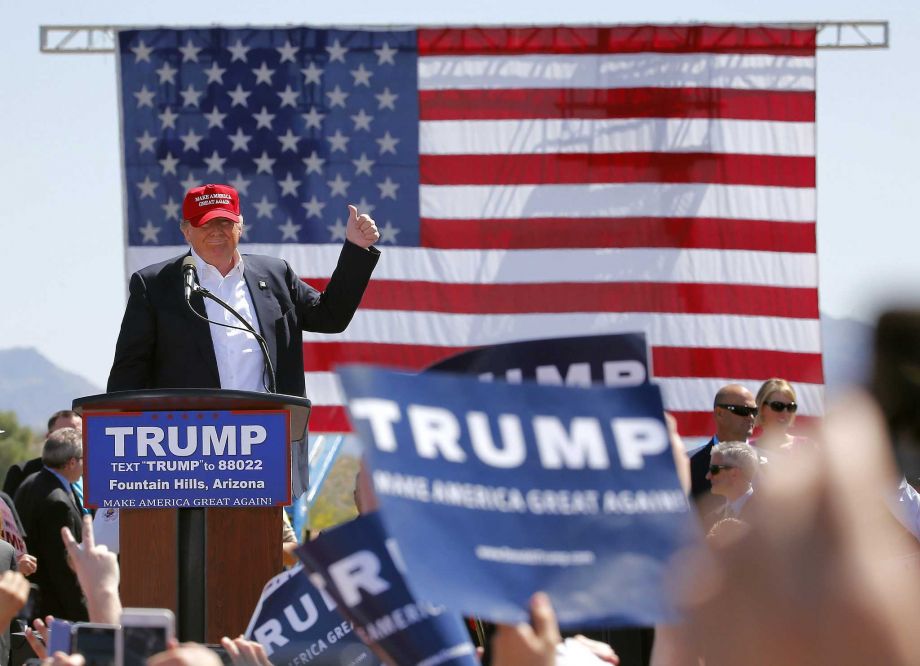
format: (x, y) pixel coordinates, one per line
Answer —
(296, 129)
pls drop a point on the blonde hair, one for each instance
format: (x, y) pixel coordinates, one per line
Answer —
(768, 387)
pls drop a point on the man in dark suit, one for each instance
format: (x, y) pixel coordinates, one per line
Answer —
(162, 344)
(734, 410)
(66, 418)
(46, 503)
(732, 468)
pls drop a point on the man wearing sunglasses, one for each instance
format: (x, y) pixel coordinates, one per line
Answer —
(732, 466)
(734, 411)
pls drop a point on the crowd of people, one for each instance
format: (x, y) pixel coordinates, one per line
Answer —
(812, 547)
(774, 504)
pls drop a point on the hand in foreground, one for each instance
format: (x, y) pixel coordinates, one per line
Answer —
(186, 654)
(679, 451)
(38, 642)
(14, 592)
(61, 659)
(245, 653)
(97, 570)
(811, 581)
(600, 650)
(27, 564)
(531, 644)
(241, 652)
(361, 229)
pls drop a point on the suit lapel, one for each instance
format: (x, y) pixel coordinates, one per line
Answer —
(199, 330)
(76, 502)
(57, 483)
(265, 303)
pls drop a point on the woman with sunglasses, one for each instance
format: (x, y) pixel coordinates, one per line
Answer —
(776, 408)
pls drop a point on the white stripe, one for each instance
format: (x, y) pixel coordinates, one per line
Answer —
(688, 394)
(679, 394)
(324, 388)
(616, 135)
(788, 204)
(622, 70)
(781, 269)
(672, 330)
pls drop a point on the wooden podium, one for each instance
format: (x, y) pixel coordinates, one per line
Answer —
(207, 565)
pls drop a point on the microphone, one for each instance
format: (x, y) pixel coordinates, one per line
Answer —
(190, 276)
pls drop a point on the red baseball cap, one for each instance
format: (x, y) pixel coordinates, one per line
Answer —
(207, 202)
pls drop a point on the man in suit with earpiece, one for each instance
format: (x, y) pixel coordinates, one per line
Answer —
(46, 502)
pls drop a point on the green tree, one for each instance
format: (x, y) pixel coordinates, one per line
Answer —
(17, 443)
(335, 503)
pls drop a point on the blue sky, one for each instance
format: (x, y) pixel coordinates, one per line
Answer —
(62, 280)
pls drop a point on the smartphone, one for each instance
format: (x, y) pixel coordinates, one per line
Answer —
(144, 633)
(59, 637)
(95, 642)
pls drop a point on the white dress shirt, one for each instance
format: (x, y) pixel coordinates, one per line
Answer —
(733, 509)
(239, 359)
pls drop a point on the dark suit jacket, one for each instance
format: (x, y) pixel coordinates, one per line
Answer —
(163, 345)
(17, 473)
(699, 467)
(45, 507)
(700, 486)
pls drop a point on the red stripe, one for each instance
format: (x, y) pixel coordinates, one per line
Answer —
(553, 297)
(689, 424)
(666, 361)
(325, 356)
(705, 362)
(519, 103)
(768, 170)
(618, 39)
(328, 419)
(673, 232)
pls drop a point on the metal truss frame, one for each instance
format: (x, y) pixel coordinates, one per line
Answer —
(82, 39)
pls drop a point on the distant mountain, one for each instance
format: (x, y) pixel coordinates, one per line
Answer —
(847, 348)
(35, 388)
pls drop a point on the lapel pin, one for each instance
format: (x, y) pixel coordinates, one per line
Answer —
(262, 284)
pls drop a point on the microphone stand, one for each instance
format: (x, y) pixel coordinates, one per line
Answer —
(248, 329)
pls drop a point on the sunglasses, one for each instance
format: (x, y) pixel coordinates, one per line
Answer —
(778, 406)
(740, 410)
(715, 469)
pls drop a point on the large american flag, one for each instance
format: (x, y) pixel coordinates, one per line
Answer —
(528, 183)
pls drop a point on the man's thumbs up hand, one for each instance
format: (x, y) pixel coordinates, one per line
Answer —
(361, 229)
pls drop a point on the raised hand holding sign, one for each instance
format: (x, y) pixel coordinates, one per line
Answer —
(361, 229)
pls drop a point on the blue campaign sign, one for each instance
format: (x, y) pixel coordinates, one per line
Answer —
(297, 624)
(360, 567)
(187, 459)
(495, 491)
(617, 359)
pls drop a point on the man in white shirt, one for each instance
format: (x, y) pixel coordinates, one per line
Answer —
(163, 344)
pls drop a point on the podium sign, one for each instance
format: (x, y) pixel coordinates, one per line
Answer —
(187, 459)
